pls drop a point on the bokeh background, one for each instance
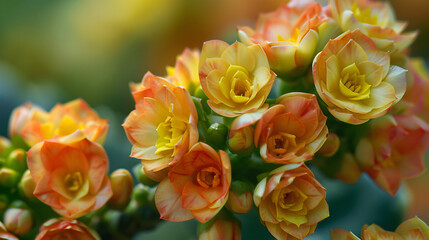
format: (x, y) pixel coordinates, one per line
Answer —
(56, 51)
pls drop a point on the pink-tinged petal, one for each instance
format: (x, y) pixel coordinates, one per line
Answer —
(387, 179)
(341, 234)
(206, 214)
(75, 208)
(259, 192)
(404, 40)
(248, 119)
(397, 78)
(266, 118)
(155, 165)
(34, 162)
(169, 203)
(346, 116)
(104, 194)
(211, 49)
(289, 123)
(365, 153)
(211, 64)
(191, 197)
(146, 153)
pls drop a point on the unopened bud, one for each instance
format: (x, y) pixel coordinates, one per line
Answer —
(4, 144)
(141, 194)
(142, 177)
(331, 146)
(122, 187)
(8, 177)
(240, 198)
(27, 185)
(349, 171)
(241, 140)
(18, 221)
(4, 235)
(217, 134)
(220, 228)
(16, 160)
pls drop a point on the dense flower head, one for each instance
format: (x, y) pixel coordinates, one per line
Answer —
(197, 186)
(66, 229)
(356, 80)
(393, 150)
(70, 174)
(34, 124)
(292, 130)
(291, 202)
(375, 19)
(163, 126)
(185, 71)
(236, 79)
(412, 229)
(289, 35)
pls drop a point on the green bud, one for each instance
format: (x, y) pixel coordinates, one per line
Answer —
(199, 93)
(4, 144)
(9, 177)
(16, 160)
(217, 135)
(27, 185)
(18, 204)
(141, 194)
(142, 177)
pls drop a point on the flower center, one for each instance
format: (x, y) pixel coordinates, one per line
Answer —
(279, 143)
(73, 181)
(353, 84)
(170, 132)
(364, 16)
(236, 84)
(290, 205)
(208, 177)
(293, 38)
(66, 127)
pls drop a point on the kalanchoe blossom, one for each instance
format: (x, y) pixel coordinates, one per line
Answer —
(394, 150)
(289, 35)
(292, 130)
(34, 125)
(163, 126)
(412, 229)
(356, 80)
(375, 19)
(66, 229)
(185, 72)
(197, 186)
(70, 174)
(291, 202)
(236, 79)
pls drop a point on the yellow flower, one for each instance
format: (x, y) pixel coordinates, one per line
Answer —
(236, 79)
(185, 72)
(356, 80)
(375, 19)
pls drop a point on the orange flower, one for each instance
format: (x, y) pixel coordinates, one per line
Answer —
(291, 131)
(414, 229)
(289, 35)
(236, 79)
(70, 174)
(163, 126)
(393, 150)
(185, 72)
(66, 229)
(197, 186)
(356, 80)
(34, 125)
(375, 19)
(291, 202)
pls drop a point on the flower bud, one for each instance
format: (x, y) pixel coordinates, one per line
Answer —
(4, 235)
(331, 146)
(122, 187)
(216, 135)
(349, 171)
(4, 144)
(18, 221)
(27, 185)
(17, 160)
(8, 177)
(66, 229)
(141, 194)
(241, 140)
(225, 228)
(240, 198)
(142, 177)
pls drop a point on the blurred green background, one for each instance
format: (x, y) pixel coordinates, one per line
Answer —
(56, 51)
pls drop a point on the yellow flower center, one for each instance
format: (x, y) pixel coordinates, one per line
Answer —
(208, 177)
(290, 205)
(170, 132)
(293, 37)
(353, 84)
(279, 144)
(364, 16)
(236, 84)
(66, 127)
(73, 181)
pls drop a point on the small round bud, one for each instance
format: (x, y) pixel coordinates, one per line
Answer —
(4, 144)
(331, 146)
(240, 197)
(142, 177)
(241, 141)
(18, 221)
(217, 134)
(225, 228)
(141, 194)
(8, 177)
(27, 185)
(121, 182)
(349, 171)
